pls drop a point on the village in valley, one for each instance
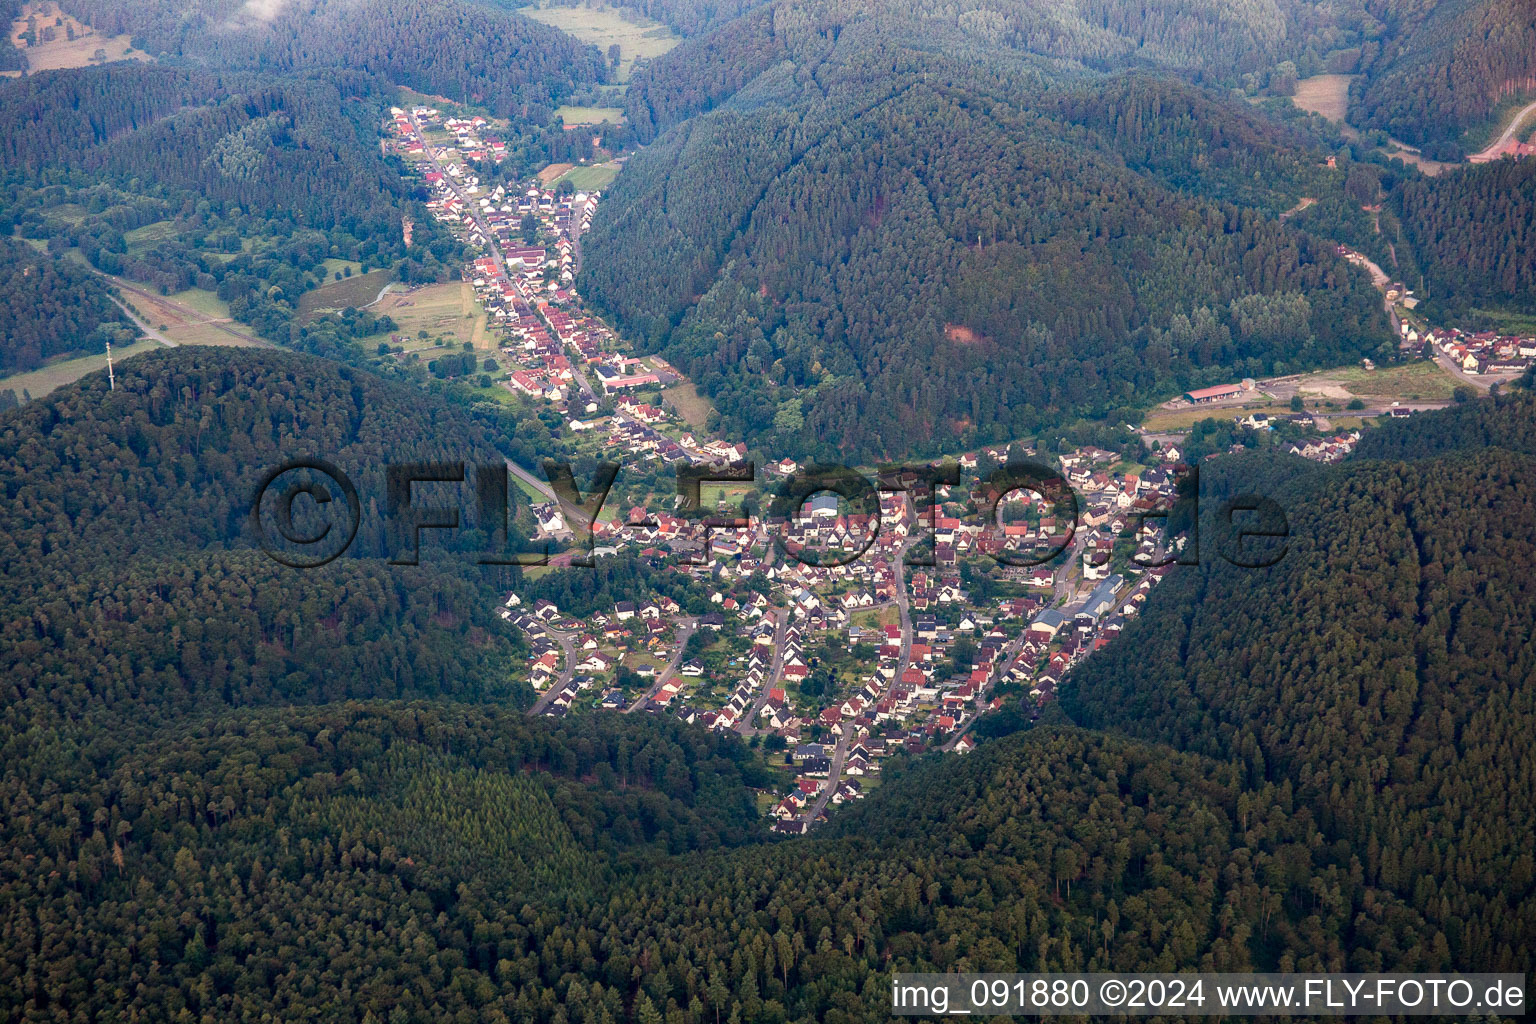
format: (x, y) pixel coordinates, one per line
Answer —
(957, 603)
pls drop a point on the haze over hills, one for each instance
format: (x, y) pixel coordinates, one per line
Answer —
(453, 47)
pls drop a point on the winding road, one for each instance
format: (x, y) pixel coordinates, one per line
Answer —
(1508, 136)
(564, 679)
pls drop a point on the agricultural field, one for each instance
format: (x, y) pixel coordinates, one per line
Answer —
(357, 291)
(685, 400)
(70, 43)
(205, 302)
(603, 26)
(192, 317)
(552, 173)
(446, 311)
(589, 115)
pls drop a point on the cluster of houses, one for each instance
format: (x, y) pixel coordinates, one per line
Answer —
(914, 695)
(1327, 449)
(1483, 352)
(471, 138)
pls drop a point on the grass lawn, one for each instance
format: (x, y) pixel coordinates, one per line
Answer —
(55, 375)
(874, 618)
(637, 36)
(495, 393)
(593, 178)
(204, 302)
(74, 213)
(534, 496)
(206, 334)
(148, 236)
(685, 400)
(332, 265)
(1175, 420)
(711, 494)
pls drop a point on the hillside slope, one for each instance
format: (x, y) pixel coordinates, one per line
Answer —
(1443, 68)
(1385, 670)
(467, 51)
(879, 254)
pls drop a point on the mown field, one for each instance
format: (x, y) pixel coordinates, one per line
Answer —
(594, 178)
(637, 36)
(62, 51)
(589, 115)
(448, 311)
(1327, 95)
(685, 400)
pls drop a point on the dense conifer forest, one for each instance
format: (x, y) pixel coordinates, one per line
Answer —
(467, 51)
(904, 258)
(1382, 671)
(1443, 68)
(50, 307)
(691, 17)
(1474, 234)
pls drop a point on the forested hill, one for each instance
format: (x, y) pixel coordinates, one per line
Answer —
(1428, 70)
(131, 587)
(1473, 231)
(1384, 671)
(1504, 421)
(1444, 67)
(692, 17)
(1218, 40)
(51, 307)
(302, 149)
(467, 889)
(467, 51)
(168, 461)
(889, 252)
